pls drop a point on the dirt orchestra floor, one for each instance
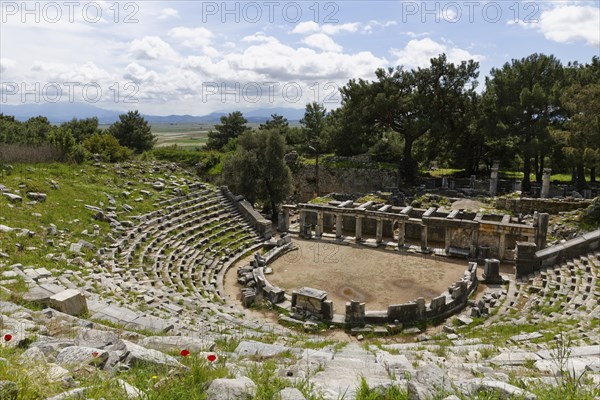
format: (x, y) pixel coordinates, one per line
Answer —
(350, 272)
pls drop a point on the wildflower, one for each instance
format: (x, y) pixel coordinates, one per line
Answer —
(212, 358)
(184, 353)
(8, 337)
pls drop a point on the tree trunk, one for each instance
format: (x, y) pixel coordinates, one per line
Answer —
(408, 162)
(526, 185)
(542, 165)
(581, 178)
(593, 175)
(574, 176)
(537, 168)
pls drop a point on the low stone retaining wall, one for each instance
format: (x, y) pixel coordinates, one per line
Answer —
(529, 205)
(261, 224)
(254, 280)
(529, 260)
(442, 306)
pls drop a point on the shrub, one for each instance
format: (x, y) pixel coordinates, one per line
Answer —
(107, 146)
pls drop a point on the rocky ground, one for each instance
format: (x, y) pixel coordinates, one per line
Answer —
(112, 287)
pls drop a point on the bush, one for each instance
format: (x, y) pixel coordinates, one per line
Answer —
(591, 215)
(12, 153)
(79, 154)
(107, 146)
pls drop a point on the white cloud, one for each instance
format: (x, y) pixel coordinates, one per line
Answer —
(333, 29)
(374, 25)
(136, 73)
(259, 37)
(192, 37)
(169, 13)
(418, 53)
(307, 27)
(150, 48)
(6, 64)
(570, 23)
(415, 35)
(322, 42)
(281, 62)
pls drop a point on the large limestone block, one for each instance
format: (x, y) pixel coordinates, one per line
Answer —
(251, 348)
(290, 394)
(138, 354)
(69, 301)
(170, 343)
(429, 381)
(77, 355)
(231, 389)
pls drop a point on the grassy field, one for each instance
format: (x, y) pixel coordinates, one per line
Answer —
(65, 207)
(183, 135)
(559, 177)
(187, 136)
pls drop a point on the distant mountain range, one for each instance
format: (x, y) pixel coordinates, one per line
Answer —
(62, 112)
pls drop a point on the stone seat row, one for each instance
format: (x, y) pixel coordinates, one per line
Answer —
(569, 288)
(180, 250)
(172, 279)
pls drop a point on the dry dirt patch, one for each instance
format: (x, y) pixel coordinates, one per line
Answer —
(377, 277)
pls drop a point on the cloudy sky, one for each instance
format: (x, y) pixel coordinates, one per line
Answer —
(192, 57)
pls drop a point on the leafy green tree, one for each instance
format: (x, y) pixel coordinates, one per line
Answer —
(107, 146)
(581, 134)
(525, 96)
(313, 124)
(231, 127)
(350, 133)
(257, 169)
(133, 131)
(82, 128)
(64, 140)
(11, 130)
(277, 122)
(36, 131)
(413, 103)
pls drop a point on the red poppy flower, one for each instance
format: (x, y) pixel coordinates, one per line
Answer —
(8, 337)
(95, 354)
(212, 358)
(184, 353)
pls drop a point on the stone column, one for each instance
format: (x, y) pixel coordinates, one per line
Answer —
(338, 226)
(502, 246)
(424, 237)
(541, 231)
(284, 220)
(447, 238)
(546, 183)
(474, 242)
(302, 223)
(526, 262)
(491, 271)
(472, 181)
(401, 231)
(319, 227)
(444, 182)
(379, 233)
(358, 233)
(494, 179)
